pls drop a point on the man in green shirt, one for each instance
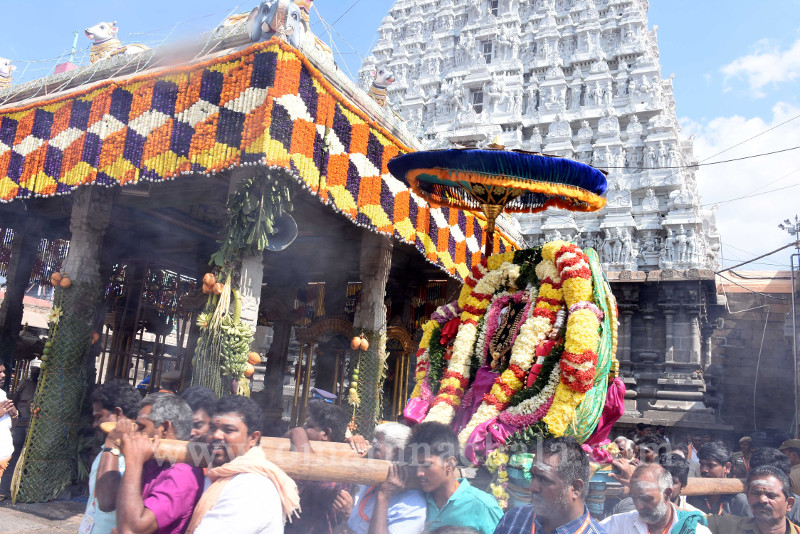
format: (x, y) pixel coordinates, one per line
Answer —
(433, 450)
(769, 494)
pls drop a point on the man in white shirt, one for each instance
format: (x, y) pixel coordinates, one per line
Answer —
(7, 415)
(651, 490)
(247, 494)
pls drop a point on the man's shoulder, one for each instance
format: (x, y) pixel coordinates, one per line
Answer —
(623, 518)
(412, 497)
(525, 510)
(254, 481)
(473, 493)
(182, 471)
(516, 519)
(729, 523)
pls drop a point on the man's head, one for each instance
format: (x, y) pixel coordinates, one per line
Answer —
(390, 440)
(769, 494)
(114, 400)
(769, 456)
(715, 460)
(165, 416)
(649, 447)
(433, 451)
(234, 429)
(682, 449)
(643, 429)
(661, 430)
(559, 478)
(625, 446)
(791, 448)
(678, 467)
(326, 422)
(697, 441)
(35, 369)
(651, 491)
(2, 374)
(745, 444)
(202, 401)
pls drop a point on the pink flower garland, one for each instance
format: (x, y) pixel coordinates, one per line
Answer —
(526, 420)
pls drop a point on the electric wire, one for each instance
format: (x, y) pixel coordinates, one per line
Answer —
(792, 244)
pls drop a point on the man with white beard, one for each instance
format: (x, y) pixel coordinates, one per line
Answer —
(651, 491)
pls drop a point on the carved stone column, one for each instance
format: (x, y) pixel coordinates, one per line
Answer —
(250, 287)
(669, 325)
(250, 279)
(694, 337)
(628, 305)
(91, 212)
(63, 381)
(23, 254)
(277, 358)
(370, 318)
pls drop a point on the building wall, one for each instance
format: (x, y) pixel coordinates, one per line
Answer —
(756, 394)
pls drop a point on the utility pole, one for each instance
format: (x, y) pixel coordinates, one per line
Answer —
(794, 230)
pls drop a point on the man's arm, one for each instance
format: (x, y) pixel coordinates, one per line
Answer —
(299, 440)
(132, 516)
(395, 483)
(108, 477)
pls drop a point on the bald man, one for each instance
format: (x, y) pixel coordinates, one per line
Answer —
(651, 491)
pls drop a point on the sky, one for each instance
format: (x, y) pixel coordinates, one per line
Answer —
(736, 66)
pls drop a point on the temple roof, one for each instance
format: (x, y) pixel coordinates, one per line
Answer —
(164, 113)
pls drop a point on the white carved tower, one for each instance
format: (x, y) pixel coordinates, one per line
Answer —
(573, 78)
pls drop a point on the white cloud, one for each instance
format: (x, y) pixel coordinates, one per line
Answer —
(767, 65)
(750, 224)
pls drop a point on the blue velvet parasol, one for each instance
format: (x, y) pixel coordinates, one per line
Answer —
(496, 180)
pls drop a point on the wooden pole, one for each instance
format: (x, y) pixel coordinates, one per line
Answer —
(298, 373)
(713, 486)
(306, 386)
(338, 462)
(299, 466)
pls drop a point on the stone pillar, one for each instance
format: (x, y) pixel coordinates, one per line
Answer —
(707, 332)
(23, 254)
(694, 337)
(370, 318)
(48, 461)
(277, 358)
(250, 287)
(669, 325)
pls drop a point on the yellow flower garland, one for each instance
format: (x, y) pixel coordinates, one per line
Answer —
(582, 335)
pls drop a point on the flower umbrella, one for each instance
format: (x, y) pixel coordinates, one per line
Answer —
(495, 180)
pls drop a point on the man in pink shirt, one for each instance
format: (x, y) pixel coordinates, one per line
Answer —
(156, 497)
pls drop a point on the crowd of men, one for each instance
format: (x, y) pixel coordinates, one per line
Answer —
(241, 491)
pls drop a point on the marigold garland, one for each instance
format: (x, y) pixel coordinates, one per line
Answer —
(562, 340)
(579, 361)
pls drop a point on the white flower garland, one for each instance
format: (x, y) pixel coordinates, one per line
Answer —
(529, 406)
(451, 392)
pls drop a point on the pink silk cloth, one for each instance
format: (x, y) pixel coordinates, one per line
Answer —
(484, 379)
(612, 411)
(487, 437)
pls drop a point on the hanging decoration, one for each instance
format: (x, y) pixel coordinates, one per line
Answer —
(265, 105)
(221, 357)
